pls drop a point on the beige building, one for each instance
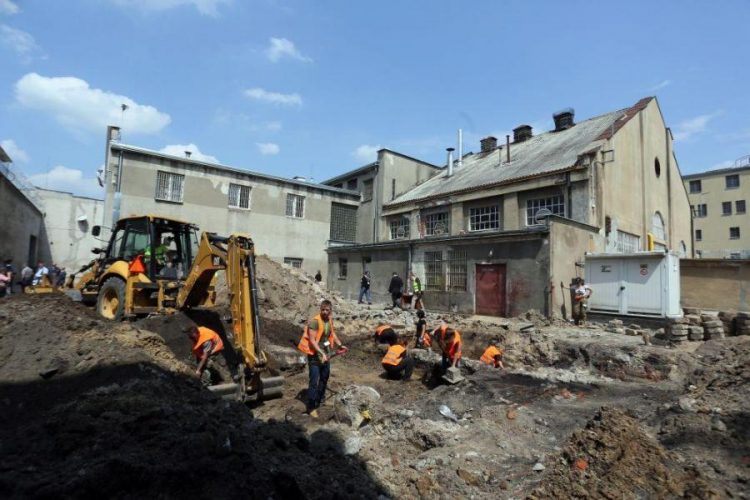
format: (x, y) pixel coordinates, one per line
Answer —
(498, 234)
(718, 199)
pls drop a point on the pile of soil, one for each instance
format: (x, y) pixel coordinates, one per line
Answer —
(613, 458)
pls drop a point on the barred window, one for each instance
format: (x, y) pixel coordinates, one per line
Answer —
(399, 228)
(627, 243)
(433, 270)
(351, 185)
(169, 187)
(484, 218)
(695, 186)
(436, 224)
(342, 268)
(343, 222)
(367, 190)
(294, 262)
(295, 206)
(239, 196)
(457, 270)
(555, 204)
(732, 181)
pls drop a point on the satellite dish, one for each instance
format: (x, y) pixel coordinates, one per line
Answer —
(82, 218)
(541, 215)
(439, 229)
(400, 232)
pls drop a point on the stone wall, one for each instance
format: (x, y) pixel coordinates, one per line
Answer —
(715, 284)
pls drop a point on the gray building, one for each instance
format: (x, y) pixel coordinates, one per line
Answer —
(497, 235)
(290, 220)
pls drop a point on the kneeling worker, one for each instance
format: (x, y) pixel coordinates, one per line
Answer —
(397, 363)
(384, 334)
(206, 345)
(493, 356)
(450, 345)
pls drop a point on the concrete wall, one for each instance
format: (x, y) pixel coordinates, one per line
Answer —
(205, 203)
(720, 285)
(71, 241)
(22, 221)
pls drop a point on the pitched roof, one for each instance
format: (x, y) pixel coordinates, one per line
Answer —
(542, 154)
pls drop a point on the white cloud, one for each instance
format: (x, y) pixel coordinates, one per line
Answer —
(16, 154)
(275, 97)
(273, 126)
(268, 148)
(79, 107)
(22, 43)
(366, 153)
(195, 153)
(660, 85)
(281, 47)
(8, 8)
(70, 180)
(688, 128)
(205, 7)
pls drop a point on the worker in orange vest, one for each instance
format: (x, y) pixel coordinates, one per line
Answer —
(493, 356)
(397, 363)
(449, 341)
(319, 342)
(206, 345)
(384, 334)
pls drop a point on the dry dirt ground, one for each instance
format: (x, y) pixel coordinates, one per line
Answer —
(91, 408)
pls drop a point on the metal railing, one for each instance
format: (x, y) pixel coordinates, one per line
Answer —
(22, 183)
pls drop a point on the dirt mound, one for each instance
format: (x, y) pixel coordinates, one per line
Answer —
(613, 458)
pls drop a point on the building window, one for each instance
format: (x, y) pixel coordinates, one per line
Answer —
(367, 191)
(657, 227)
(239, 196)
(295, 206)
(457, 270)
(555, 204)
(484, 218)
(734, 233)
(739, 207)
(169, 187)
(294, 262)
(657, 168)
(627, 243)
(726, 208)
(436, 224)
(698, 235)
(351, 185)
(733, 181)
(343, 222)
(695, 187)
(342, 268)
(701, 210)
(399, 228)
(433, 270)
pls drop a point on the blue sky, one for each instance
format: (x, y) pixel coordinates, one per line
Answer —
(314, 88)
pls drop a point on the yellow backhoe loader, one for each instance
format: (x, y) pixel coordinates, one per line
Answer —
(160, 265)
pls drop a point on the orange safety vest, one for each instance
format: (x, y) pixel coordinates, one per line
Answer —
(489, 355)
(426, 339)
(204, 335)
(453, 346)
(304, 344)
(393, 356)
(379, 330)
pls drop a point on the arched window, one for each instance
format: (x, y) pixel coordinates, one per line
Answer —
(657, 227)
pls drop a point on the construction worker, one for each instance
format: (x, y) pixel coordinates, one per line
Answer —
(449, 341)
(397, 363)
(493, 356)
(206, 346)
(581, 294)
(160, 252)
(318, 341)
(424, 341)
(384, 334)
(416, 285)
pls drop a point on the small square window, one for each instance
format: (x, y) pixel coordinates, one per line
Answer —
(295, 206)
(734, 233)
(294, 262)
(739, 207)
(726, 208)
(351, 185)
(733, 181)
(698, 235)
(239, 196)
(695, 186)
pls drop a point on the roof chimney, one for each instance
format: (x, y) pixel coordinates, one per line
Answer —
(488, 143)
(521, 133)
(564, 119)
(450, 161)
(187, 154)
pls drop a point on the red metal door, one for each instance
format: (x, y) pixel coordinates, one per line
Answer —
(490, 289)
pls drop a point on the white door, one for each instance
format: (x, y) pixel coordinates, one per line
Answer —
(604, 278)
(643, 286)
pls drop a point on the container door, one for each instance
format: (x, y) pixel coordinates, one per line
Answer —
(643, 286)
(490, 289)
(604, 278)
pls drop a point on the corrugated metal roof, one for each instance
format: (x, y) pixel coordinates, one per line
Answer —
(542, 154)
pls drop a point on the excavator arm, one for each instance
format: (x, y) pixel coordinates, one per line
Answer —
(236, 256)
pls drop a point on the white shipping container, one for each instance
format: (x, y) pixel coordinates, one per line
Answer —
(635, 284)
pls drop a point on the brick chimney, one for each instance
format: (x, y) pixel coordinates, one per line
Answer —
(488, 143)
(564, 119)
(521, 133)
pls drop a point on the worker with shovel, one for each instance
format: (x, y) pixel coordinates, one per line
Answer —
(206, 346)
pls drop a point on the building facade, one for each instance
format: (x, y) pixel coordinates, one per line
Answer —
(718, 200)
(291, 221)
(500, 233)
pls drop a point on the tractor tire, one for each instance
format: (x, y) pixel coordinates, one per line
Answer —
(110, 304)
